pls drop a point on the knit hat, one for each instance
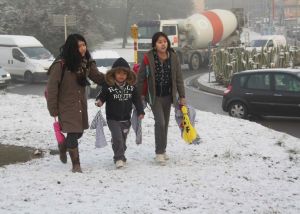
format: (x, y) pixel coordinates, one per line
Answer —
(121, 62)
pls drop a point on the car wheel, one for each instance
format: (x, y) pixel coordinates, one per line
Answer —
(238, 110)
(28, 77)
(195, 61)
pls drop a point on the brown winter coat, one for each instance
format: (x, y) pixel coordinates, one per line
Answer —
(177, 80)
(67, 99)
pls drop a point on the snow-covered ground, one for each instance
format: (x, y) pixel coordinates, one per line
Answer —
(241, 167)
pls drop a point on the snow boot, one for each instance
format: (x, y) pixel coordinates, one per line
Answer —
(74, 155)
(62, 147)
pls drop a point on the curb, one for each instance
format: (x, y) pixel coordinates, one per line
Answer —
(208, 87)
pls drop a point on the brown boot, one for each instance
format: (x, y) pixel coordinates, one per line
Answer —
(62, 152)
(74, 155)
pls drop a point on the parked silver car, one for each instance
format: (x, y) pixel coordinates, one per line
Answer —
(5, 78)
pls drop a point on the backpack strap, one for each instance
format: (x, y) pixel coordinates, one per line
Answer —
(63, 68)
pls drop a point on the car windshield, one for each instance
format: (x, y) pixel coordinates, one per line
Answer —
(37, 53)
(107, 62)
(258, 43)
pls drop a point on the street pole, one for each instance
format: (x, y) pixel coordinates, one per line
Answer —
(63, 20)
(65, 25)
(209, 60)
(134, 35)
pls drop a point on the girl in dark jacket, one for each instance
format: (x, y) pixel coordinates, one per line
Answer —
(162, 71)
(66, 93)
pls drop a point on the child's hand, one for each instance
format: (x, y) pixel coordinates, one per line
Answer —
(141, 116)
(98, 103)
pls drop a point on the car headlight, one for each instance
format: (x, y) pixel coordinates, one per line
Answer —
(39, 68)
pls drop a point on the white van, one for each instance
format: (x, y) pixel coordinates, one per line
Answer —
(24, 57)
(266, 42)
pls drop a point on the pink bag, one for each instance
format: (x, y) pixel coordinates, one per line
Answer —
(58, 134)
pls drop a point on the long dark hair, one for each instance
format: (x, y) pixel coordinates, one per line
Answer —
(70, 54)
(155, 38)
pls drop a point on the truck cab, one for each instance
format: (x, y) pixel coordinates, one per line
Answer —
(146, 29)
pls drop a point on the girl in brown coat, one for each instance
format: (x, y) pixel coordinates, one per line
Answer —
(66, 93)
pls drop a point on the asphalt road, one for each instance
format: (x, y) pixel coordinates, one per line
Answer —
(200, 100)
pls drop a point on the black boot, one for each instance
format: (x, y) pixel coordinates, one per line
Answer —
(74, 155)
(62, 152)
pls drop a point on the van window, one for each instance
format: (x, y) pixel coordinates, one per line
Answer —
(270, 44)
(286, 82)
(17, 55)
(169, 30)
(146, 32)
(37, 52)
(258, 81)
(258, 43)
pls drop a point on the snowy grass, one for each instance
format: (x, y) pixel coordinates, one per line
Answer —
(241, 167)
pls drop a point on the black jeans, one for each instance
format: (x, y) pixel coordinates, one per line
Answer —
(72, 140)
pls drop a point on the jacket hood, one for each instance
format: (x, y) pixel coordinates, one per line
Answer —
(110, 76)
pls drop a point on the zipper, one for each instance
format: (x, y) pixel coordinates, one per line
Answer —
(122, 102)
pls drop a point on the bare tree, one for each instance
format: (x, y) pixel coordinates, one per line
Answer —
(129, 6)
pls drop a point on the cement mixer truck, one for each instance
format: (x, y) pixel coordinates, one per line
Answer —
(191, 37)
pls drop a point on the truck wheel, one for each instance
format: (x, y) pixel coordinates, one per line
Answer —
(195, 61)
(28, 77)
